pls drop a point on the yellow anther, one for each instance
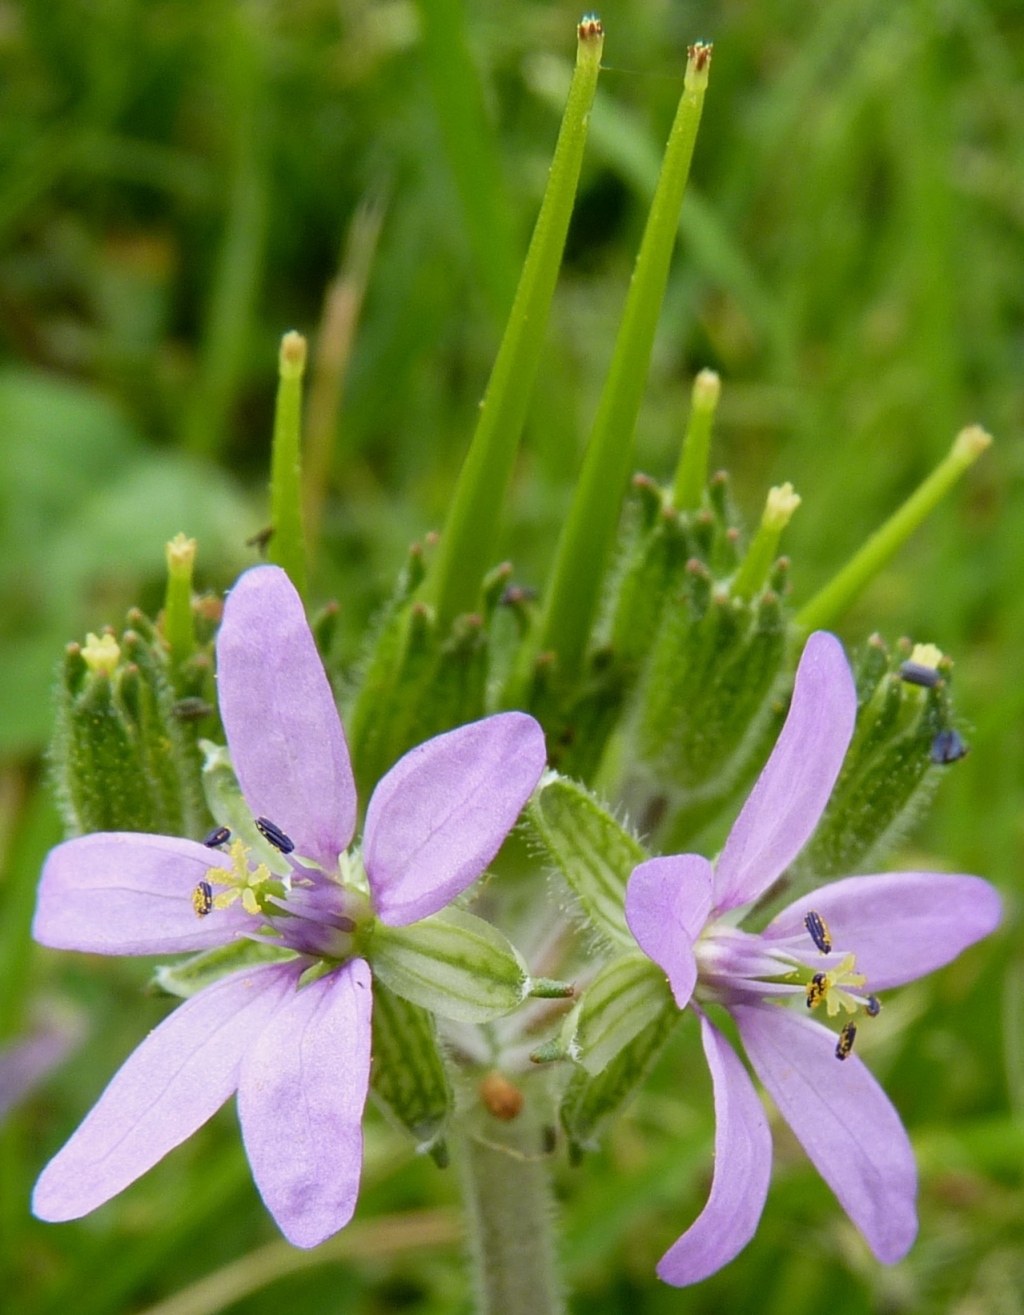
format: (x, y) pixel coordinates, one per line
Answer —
(834, 988)
(241, 882)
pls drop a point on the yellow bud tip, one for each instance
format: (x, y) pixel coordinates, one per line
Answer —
(926, 655)
(707, 388)
(101, 653)
(181, 553)
(697, 65)
(292, 360)
(779, 506)
(971, 442)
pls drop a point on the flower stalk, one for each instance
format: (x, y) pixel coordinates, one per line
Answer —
(692, 471)
(287, 544)
(586, 540)
(510, 1211)
(832, 601)
(179, 624)
(453, 585)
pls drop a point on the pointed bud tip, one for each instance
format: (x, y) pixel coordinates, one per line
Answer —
(292, 358)
(971, 442)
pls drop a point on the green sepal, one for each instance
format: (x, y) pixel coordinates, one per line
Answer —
(453, 963)
(888, 775)
(409, 1078)
(625, 996)
(192, 975)
(593, 852)
(591, 1102)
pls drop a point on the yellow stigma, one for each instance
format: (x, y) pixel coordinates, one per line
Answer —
(831, 987)
(101, 653)
(241, 882)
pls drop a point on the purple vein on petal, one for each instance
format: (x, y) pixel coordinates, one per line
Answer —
(124, 892)
(441, 813)
(286, 740)
(790, 795)
(743, 1170)
(843, 1119)
(175, 1080)
(300, 1102)
(900, 925)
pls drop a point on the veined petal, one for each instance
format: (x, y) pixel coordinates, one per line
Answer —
(900, 925)
(283, 729)
(441, 813)
(300, 1102)
(790, 795)
(126, 892)
(743, 1170)
(667, 904)
(844, 1120)
(169, 1086)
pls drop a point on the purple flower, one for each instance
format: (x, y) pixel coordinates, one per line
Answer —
(830, 952)
(298, 1054)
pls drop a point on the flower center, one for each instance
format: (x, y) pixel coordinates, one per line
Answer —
(735, 966)
(311, 911)
(240, 882)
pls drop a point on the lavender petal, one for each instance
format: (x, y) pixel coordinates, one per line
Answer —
(667, 904)
(900, 925)
(743, 1170)
(286, 740)
(790, 795)
(124, 892)
(441, 813)
(300, 1102)
(168, 1087)
(844, 1120)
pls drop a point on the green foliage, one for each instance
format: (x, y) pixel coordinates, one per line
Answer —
(179, 179)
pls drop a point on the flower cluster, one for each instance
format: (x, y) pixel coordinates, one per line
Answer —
(293, 1036)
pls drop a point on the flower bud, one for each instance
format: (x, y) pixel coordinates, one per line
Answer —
(122, 760)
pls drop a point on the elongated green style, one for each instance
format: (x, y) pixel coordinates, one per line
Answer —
(586, 540)
(466, 547)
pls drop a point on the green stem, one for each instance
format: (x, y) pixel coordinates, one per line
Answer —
(832, 601)
(466, 546)
(287, 545)
(753, 571)
(586, 540)
(692, 471)
(179, 623)
(510, 1212)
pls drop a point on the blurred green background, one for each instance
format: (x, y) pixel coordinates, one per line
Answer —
(185, 181)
